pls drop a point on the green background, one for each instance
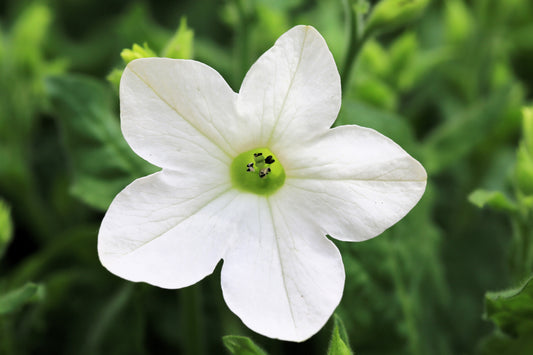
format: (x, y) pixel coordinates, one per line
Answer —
(448, 84)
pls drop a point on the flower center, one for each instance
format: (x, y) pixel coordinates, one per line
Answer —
(257, 171)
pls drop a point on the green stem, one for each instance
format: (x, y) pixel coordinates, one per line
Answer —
(193, 327)
(357, 37)
(522, 250)
(242, 43)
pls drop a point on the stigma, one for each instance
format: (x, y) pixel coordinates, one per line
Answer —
(262, 165)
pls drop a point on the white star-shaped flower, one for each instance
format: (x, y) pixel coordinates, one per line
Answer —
(257, 179)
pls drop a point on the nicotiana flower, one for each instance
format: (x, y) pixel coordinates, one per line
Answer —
(257, 179)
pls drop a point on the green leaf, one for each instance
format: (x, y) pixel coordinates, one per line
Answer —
(239, 345)
(339, 344)
(15, 299)
(493, 199)
(180, 46)
(6, 227)
(102, 162)
(511, 312)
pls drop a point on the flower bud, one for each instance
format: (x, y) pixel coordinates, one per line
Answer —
(137, 52)
(180, 46)
(391, 14)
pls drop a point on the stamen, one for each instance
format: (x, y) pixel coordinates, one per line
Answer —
(260, 162)
(269, 159)
(264, 172)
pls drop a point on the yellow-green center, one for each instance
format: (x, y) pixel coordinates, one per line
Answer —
(258, 171)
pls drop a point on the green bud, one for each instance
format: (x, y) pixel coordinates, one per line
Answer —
(128, 55)
(180, 46)
(391, 14)
(137, 52)
(114, 77)
(375, 59)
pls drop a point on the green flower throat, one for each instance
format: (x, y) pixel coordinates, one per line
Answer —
(257, 171)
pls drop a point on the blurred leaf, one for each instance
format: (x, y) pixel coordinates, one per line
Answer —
(459, 22)
(106, 318)
(102, 162)
(388, 15)
(524, 156)
(14, 300)
(180, 46)
(6, 227)
(361, 6)
(527, 128)
(524, 169)
(511, 312)
(494, 199)
(454, 139)
(403, 52)
(374, 59)
(375, 92)
(339, 344)
(239, 345)
(29, 33)
(386, 123)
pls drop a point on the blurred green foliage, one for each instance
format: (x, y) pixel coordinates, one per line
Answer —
(447, 80)
(239, 345)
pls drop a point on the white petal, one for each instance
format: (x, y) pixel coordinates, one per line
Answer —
(292, 92)
(282, 277)
(169, 230)
(173, 109)
(355, 182)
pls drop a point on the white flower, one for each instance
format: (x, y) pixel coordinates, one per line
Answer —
(281, 274)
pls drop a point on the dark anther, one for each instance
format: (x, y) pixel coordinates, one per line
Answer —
(257, 154)
(264, 172)
(269, 159)
(250, 167)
